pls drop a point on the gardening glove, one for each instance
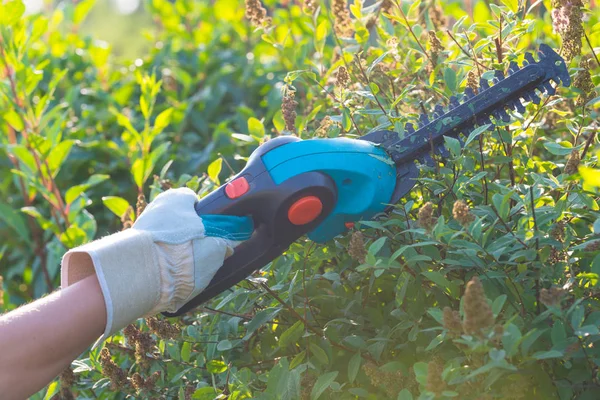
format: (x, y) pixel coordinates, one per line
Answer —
(167, 258)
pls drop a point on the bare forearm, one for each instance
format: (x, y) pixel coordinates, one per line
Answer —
(40, 340)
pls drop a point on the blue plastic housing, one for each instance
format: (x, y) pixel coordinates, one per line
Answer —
(363, 173)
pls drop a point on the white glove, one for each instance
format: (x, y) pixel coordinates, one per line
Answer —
(168, 257)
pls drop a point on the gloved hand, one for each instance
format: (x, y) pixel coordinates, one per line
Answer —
(168, 256)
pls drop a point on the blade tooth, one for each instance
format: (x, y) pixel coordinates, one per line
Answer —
(504, 115)
(483, 120)
(535, 99)
(518, 106)
(423, 120)
(426, 159)
(548, 88)
(498, 75)
(529, 58)
(454, 102)
(541, 54)
(496, 114)
(469, 93)
(513, 67)
(439, 111)
(484, 84)
(409, 128)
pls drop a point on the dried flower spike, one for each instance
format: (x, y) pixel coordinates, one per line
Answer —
(117, 376)
(436, 14)
(452, 321)
(435, 383)
(342, 78)
(323, 129)
(583, 82)
(572, 163)
(426, 218)
(558, 231)
(342, 21)
(478, 313)
(567, 19)
(141, 204)
(556, 256)
(591, 246)
(435, 46)
(163, 328)
(462, 213)
(356, 248)
(126, 218)
(257, 14)
(309, 7)
(472, 81)
(288, 109)
(67, 379)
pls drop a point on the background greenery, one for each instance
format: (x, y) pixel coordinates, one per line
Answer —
(381, 312)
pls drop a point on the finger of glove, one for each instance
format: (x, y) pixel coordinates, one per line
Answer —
(171, 218)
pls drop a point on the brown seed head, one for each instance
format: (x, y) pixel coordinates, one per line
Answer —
(117, 376)
(342, 21)
(572, 163)
(141, 204)
(309, 7)
(452, 321)
(556, 256)
(392, 382)
(189, 392)
(478, 314)
(386, 6)
(288, 109)
(137, 381)
(472, 81)
(126, 218)
(435, 383)
(462, 213)
(163, 328)
(591, 246)
(356, 247)
(436, 14)
(257, 14)
(324, 126)
(552, 296)
(567, 19)
(342, 78)
(558, 231)
(435, 46)
(583, 82)
(426, 218)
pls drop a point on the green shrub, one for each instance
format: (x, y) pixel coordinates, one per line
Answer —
(481, 284)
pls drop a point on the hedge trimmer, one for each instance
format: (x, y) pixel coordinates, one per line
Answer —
(320, 187)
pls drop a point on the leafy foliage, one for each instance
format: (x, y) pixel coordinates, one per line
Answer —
(482, 283)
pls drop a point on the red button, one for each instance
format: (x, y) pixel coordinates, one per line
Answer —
(305, 210)
(237, 188)
(349, 225)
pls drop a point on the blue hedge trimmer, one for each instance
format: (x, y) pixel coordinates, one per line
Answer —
(320, 187)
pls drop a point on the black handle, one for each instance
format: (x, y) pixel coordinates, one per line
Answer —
(269, 206)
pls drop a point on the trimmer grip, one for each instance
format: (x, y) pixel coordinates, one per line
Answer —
(279, 212)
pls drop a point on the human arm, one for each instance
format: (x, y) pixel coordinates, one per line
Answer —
(167, 258)
(39, 340)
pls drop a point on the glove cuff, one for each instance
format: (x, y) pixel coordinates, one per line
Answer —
(127, 270)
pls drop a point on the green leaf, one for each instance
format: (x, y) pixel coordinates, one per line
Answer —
(450, 79)
(13, 119)
(498, 304)
(14, 220)
(205, 393)
(117, 205)
(82, 9)
(53, 389)
(587, 330)
(216, 366)
(292, 334)
(186, 350)
(543, 355)
(559, 149)
(58, 155)
(298, 359)
(256, 128)
(354, 366)
(577, 316)
(322, 383)
(162, 121)
(377, 245)
(74, 191)
(137, 170)
(478, 131)
(224, 345)
(453, 145)
(259, 319)
(405, 394)
(73, 236)
(437, 277)
(214, 169)
(319, 353)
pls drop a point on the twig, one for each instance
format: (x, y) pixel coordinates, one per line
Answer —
(412, 32)
(466, 53)
(587, 39)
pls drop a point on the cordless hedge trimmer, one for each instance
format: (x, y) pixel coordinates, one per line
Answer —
(320, 187)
